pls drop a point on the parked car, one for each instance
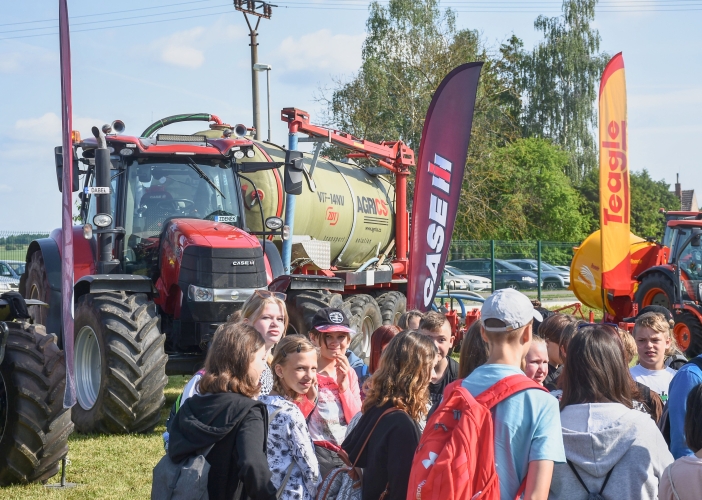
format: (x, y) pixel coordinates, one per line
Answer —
(8, 284)
(566, 269)
(551, 277)
(12, 268)
(506, 275)
(452, 282)
(477, 283)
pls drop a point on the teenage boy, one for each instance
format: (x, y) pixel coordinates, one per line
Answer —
(436, 326)
(652, 336)
(527, 425)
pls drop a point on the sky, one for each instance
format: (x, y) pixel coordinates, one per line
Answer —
(141, 60)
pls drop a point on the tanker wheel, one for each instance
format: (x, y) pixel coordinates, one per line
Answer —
(655, 290)
(365, 318)
(120, 364)
(688, 333)
(303, 305)
(34, 426)
(392, 306)
(36, 286)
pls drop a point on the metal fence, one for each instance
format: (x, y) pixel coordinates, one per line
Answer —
(480, 256)
(13, 244)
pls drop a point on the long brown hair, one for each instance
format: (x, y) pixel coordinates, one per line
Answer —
(381, 337)
(595, 370)
(474, 350)
(228, 359)
(288, 345)
(404, 374)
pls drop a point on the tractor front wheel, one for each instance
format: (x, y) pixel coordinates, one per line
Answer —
(35, 283)
(34, 426)
(655, 290)
(120, 363)
(688, 333)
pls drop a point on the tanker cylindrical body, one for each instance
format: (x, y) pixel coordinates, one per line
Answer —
(343, 204)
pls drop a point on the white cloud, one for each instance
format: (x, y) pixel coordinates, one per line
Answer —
(9, 63)
(48, 127)
(4, 188)
(186, 49)
(322, 51)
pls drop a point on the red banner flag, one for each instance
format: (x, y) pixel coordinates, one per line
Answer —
(615, 200)
(69, 398)
(442, 160)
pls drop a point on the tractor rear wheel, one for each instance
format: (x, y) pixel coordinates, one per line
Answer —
(36, 286)
(302, 306)
(655, 290)
(392, 306)
(688, 333)
(365, 318)
(120, 363)
(34, 426)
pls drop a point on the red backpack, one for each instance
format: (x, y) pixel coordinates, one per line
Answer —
(455, 459)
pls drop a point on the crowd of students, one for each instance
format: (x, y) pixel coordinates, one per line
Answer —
(278, 415)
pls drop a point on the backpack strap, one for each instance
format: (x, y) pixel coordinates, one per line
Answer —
(572, 467)
(505, 388)
(363, 447)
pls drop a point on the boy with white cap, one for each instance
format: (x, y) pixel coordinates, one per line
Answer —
(527, 425)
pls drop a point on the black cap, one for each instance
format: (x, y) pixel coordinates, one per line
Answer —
(329, 319)
(652, 309)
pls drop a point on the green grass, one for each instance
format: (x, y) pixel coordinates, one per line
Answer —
(107, 467)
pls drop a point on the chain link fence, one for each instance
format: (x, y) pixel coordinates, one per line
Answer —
(13, 244)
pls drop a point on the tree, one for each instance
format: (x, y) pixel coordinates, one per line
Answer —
(559, 81)
(526, 193)
(647, 196)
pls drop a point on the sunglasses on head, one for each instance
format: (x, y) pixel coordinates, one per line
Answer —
(298, 350)
(267, 294)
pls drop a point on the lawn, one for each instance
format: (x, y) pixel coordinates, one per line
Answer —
(107, 467)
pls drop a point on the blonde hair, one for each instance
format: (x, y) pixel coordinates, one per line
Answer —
(538, 339)
(291, 344)
(629, 344)
(658, 323)
(254, 306)
(403, 375)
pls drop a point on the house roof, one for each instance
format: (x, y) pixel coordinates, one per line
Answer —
(687, 200)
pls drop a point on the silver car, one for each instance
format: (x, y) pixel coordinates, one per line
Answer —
(475, 283)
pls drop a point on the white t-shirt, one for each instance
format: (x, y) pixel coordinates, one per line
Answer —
(657, 380)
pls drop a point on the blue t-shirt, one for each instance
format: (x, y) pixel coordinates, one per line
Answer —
(687, 377)
(527, 427)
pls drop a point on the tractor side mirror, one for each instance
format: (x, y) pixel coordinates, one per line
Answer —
(58, 159)
(144, 173)
(293, 172)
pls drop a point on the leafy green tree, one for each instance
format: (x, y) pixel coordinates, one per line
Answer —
(526, 194)
(559, 82)
(647, 197)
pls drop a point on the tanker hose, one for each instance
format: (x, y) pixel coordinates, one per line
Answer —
(366, 264)
(191, 117)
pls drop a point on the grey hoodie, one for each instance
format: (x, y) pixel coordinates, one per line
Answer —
(601, 437)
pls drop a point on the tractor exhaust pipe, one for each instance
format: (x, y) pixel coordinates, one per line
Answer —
(105, 236)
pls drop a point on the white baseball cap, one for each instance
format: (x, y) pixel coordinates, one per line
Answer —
(511, 307)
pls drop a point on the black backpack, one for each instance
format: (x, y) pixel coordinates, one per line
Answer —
(664, 422)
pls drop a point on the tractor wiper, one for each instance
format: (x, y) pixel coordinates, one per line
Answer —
(202, 174)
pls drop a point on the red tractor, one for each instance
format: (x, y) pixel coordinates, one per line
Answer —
(179, 230)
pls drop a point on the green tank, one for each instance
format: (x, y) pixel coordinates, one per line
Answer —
(341, 203)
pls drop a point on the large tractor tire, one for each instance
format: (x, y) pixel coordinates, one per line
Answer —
(392, 306)
(365, 318)
(35, 283)
(688, 333)
(302, 306)
(120, 363)
(34, 426)
(656, 289)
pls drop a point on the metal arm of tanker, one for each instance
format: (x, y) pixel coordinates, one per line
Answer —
(395, 156)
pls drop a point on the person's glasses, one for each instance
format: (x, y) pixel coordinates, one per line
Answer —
(267, 294)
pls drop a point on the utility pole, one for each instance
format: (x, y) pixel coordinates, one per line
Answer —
(260, 10)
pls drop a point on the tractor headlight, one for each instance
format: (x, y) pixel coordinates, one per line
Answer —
(200, 294)
(102, 220)
(238, 154)
(250, 153)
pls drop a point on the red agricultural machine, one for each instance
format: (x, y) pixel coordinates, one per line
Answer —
(667, 274)
(179, 230)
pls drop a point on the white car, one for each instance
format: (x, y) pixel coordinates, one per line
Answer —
(475, 283)
(8, 285)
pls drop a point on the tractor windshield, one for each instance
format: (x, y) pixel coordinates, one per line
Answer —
(158, 191)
